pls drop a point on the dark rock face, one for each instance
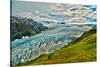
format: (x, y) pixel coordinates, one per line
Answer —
(24, 27)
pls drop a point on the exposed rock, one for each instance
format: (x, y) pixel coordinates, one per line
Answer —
(24, 27)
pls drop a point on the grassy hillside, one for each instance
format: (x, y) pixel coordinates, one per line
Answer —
(82, 49)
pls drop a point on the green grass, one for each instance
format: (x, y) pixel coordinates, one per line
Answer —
(84, 50)
(90, 46)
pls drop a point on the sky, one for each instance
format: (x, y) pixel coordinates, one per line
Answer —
(54, 11)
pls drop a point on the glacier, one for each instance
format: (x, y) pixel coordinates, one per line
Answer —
(46, 42)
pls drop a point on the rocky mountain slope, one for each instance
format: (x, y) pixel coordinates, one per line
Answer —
(24, 27)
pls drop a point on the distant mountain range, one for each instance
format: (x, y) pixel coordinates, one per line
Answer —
(24, 27)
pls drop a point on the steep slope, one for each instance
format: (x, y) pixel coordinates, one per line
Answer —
(24, 27)
(82, 49)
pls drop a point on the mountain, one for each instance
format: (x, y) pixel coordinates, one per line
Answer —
(83, 49)
(24, 27)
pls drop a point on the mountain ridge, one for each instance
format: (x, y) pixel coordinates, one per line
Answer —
(24, 27)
